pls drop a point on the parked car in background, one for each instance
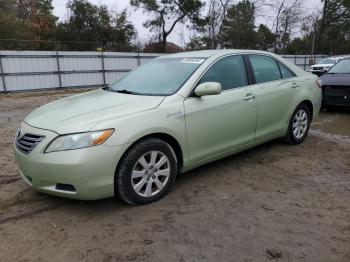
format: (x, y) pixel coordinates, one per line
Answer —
(325, 64)
(336, 84)
(166, 117)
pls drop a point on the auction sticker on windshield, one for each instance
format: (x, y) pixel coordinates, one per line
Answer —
(192, 61)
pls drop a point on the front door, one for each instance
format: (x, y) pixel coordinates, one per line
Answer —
(218, 123)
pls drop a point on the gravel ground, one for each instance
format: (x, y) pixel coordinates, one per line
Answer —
(280, 202)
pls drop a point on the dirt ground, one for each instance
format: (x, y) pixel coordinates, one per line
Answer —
(279, 202)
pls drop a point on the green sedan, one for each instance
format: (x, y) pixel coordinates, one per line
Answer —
(166, 117)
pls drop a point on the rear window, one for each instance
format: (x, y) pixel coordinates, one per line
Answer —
(286, 73)
(265, 68)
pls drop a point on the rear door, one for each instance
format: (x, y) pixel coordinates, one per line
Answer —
(276, 90)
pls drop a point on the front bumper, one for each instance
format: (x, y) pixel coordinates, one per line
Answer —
(337, 96)
(85, 174)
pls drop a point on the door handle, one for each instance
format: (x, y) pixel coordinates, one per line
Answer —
(249, 97)
(295, 85)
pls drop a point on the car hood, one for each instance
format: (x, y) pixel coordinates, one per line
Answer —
(335, 79)
(82, 112)
(322, 65)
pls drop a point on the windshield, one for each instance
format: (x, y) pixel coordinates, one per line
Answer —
(162, 76)
(343, 67)
(327, 61)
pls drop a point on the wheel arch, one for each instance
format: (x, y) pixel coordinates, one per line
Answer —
(172, 141)
(309, 104)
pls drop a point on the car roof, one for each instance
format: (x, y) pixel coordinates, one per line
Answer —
(214, 54)
(338, 57)
(210, 53)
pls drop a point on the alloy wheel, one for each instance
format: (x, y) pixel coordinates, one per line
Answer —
(150, 174)
(300, 123)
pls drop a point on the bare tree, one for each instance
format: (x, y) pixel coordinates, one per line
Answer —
(309, 28)
(216, 16)
(210, 26)
(288, 16)
(165, 15)
(310, 24)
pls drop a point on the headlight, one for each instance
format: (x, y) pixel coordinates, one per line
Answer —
(79, 140)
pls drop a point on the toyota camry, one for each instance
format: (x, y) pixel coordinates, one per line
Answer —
(173, 114)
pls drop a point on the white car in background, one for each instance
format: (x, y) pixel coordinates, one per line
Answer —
(325, 64)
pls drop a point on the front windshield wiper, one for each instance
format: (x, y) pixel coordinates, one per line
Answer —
(124, 91)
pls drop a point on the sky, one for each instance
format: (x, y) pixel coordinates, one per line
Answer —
(179, 36)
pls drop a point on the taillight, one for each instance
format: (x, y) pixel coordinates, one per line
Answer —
(319, 83)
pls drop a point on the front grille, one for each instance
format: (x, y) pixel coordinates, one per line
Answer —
(28, 142)
(337, 90)
(318, 68)
(336, 95)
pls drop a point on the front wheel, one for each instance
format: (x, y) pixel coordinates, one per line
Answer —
(299, 125)
(146, 172)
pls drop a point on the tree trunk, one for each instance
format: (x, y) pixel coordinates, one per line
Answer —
(322, 26)
(163, 42)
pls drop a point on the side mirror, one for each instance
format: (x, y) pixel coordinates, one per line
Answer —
(208, 89)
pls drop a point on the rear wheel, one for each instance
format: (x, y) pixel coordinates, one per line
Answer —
(146, 172)
(299, 125)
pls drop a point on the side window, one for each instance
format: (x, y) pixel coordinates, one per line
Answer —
(229, 71)
(265, 68)
(286, 73)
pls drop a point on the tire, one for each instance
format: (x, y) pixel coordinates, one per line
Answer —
(300, 120)
(146, 172)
